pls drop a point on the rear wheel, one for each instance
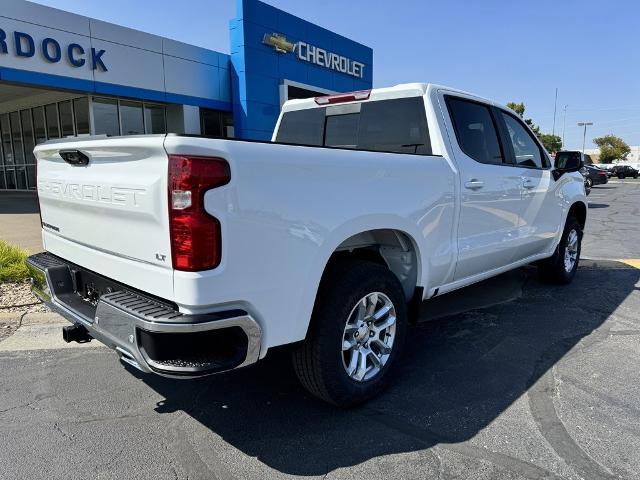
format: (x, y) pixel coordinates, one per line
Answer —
(589, 183)
(356, 334)
(562, 266)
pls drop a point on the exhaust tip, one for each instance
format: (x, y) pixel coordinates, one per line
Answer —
(76, 333)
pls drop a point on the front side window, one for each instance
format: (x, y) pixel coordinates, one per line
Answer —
(526, 150)
(475, 130)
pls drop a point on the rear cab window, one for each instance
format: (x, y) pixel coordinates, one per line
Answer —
(395, 126)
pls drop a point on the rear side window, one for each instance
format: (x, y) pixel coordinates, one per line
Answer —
(475, 130)
(394, 126)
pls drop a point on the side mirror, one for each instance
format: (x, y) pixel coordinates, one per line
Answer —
(567, 164)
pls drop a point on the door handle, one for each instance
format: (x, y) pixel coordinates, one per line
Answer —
(474, 184)
(528, 183)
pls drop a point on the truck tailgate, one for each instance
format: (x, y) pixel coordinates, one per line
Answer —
(115, 205)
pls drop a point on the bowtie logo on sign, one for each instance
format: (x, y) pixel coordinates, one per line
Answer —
(316, 55)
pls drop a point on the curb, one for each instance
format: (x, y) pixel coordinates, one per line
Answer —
(31, 318)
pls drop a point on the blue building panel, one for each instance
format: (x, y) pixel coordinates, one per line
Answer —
(263, 89)
(269, 46)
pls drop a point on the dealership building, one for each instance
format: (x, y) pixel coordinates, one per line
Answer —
(64, 75)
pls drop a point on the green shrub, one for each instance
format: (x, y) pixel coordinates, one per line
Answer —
(13, 265)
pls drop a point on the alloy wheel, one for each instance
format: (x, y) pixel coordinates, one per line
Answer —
(368, 337)
(571, 251)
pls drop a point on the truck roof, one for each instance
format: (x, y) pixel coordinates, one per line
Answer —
(396, 91)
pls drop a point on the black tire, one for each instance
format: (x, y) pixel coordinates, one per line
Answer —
(589, 182)
(620, 176)
(318, 362)
(635, 176)
(553, 269)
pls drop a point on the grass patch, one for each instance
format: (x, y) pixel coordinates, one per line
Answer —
(13, 264)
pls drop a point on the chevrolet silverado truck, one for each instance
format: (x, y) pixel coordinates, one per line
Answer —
(190, 256)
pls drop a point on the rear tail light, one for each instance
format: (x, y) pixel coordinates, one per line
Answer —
(344, 97)
(196, 242)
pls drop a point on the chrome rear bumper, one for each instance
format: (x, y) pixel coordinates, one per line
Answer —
(147, 333)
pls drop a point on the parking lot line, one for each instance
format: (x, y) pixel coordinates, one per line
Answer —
(633, 262)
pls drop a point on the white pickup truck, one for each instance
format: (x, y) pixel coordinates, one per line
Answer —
(190, 256)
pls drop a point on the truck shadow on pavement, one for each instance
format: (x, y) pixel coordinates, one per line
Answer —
(459, 373)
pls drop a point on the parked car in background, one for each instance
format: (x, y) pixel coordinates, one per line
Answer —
(595, 176)
(604, 166)
(585, 176)
(623, 171)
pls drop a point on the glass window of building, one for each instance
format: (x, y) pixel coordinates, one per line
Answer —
(16, 136)
(51, 113)
(227, 123)
(154, 119)
(81, 113)
(27, 136)
(7, 149)
(105, 116)
(66, 118)
(39, 127)
(21, 178)
(211, 123)
(131, 120)
(31, 176)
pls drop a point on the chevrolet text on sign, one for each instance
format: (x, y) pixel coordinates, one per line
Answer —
(312, 54)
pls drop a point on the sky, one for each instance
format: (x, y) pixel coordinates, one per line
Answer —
(504, 50)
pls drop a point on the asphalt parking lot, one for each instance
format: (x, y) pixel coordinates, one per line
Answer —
(507, 379)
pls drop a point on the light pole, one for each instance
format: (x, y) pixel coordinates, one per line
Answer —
(564, 123)
(584, 135)
(555, 106)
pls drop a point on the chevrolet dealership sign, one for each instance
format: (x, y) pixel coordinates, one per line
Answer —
(21, 44)
(316, 55)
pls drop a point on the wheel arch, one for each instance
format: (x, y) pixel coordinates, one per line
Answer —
(578, 210)
(394, 248)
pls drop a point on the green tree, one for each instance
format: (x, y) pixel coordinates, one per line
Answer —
(552, 143)
(612, 148)
(517, 107)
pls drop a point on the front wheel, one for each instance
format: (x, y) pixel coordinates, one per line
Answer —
(356, 334)
(562, 266)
